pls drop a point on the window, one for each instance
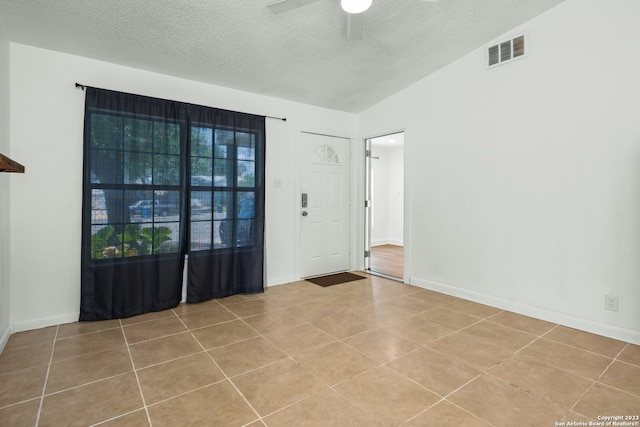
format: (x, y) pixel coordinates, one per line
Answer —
(164, 179)
(222, 188)
(135, 186)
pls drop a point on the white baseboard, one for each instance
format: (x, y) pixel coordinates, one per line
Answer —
(387, 242)
(280, 281)
(27, 325)
(541, 313)
(4, 338)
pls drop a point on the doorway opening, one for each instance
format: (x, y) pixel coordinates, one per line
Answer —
(384, 206)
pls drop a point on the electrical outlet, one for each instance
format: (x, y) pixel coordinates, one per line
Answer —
(611, 302)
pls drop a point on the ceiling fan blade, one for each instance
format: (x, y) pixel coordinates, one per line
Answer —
(354, 26)
(286, 5)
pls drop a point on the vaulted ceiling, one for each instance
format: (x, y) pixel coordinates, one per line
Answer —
(302, 55)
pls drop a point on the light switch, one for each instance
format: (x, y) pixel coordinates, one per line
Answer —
(277, 183)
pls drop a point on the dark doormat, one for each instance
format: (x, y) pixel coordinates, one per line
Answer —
(335, 279)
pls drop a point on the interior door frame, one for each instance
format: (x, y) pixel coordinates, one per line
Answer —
(297, 191)
(367, 211)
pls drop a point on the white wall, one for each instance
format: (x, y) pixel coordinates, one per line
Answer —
(387, 170)
(524, 180)
(395, 195)
(46, 135)
(5, 290)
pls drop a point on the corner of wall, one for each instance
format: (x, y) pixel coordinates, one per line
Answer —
(5, 288)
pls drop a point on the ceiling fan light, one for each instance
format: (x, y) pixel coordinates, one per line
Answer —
(355, 6)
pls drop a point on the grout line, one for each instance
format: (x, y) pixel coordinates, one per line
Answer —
(46, 377)
(135, 372)
(222, 371)
(114, 418)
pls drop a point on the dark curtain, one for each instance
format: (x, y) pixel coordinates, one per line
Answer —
(163, 179)
(226, 257)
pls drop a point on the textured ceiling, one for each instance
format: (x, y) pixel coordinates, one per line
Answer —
(301, 55)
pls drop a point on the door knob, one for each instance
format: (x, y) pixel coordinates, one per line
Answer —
(305, 213)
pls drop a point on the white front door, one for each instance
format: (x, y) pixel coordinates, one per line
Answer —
(323, 204)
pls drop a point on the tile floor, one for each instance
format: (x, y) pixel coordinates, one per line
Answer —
(368, 353)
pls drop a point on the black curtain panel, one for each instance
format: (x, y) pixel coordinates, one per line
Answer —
(226, 192)
(163, 179)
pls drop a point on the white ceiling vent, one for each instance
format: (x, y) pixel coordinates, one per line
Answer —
(506, 51)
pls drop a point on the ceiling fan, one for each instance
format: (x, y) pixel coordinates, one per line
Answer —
(353, 9)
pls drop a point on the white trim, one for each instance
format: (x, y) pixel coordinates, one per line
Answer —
(615, 332)
(28, 325)
(298, 269)
(5, 338)
(387, 242)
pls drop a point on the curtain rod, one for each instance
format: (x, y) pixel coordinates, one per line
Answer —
(284, 119)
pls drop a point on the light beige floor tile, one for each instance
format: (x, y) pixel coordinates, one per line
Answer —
(343, 325)
(88, 343)
(473, 308)
(163, 349)
(386, 395)
(379, 315)
(449, 318)
(311, 311)
(154, 315)
(213, 315)
(184, 307)
(91, 403)
(134, 419)
(238, 358)
(624, 376)
(473, 351)
(499, 335)
(409, 305)
(223, 334)
(434, 371)
(80, 328)
(80, 370)
(335, 362)
(275, 289)
(321, 410)
(25, 357)
(299, 338)
(21, 415)
(502, 404)
(571, 359)
(215, 405)
(239, 298)
(36, 336)
(169, 379)
(250, 308)
(549, 383)
(381, 344)
(153, 329)
(602, 400)
(576, 418)
(522, 323)
(278, 385)
(446, 414)
(631, 354)
(586, 341)
(418, 330)
(273, 321)
(287, 299)
(21, 385)
(434, 298)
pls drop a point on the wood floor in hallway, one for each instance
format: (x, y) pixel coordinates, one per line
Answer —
(388, 259)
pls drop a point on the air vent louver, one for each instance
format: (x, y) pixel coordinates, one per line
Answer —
(505, 51)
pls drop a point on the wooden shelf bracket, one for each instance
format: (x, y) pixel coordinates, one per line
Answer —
(8, 165)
